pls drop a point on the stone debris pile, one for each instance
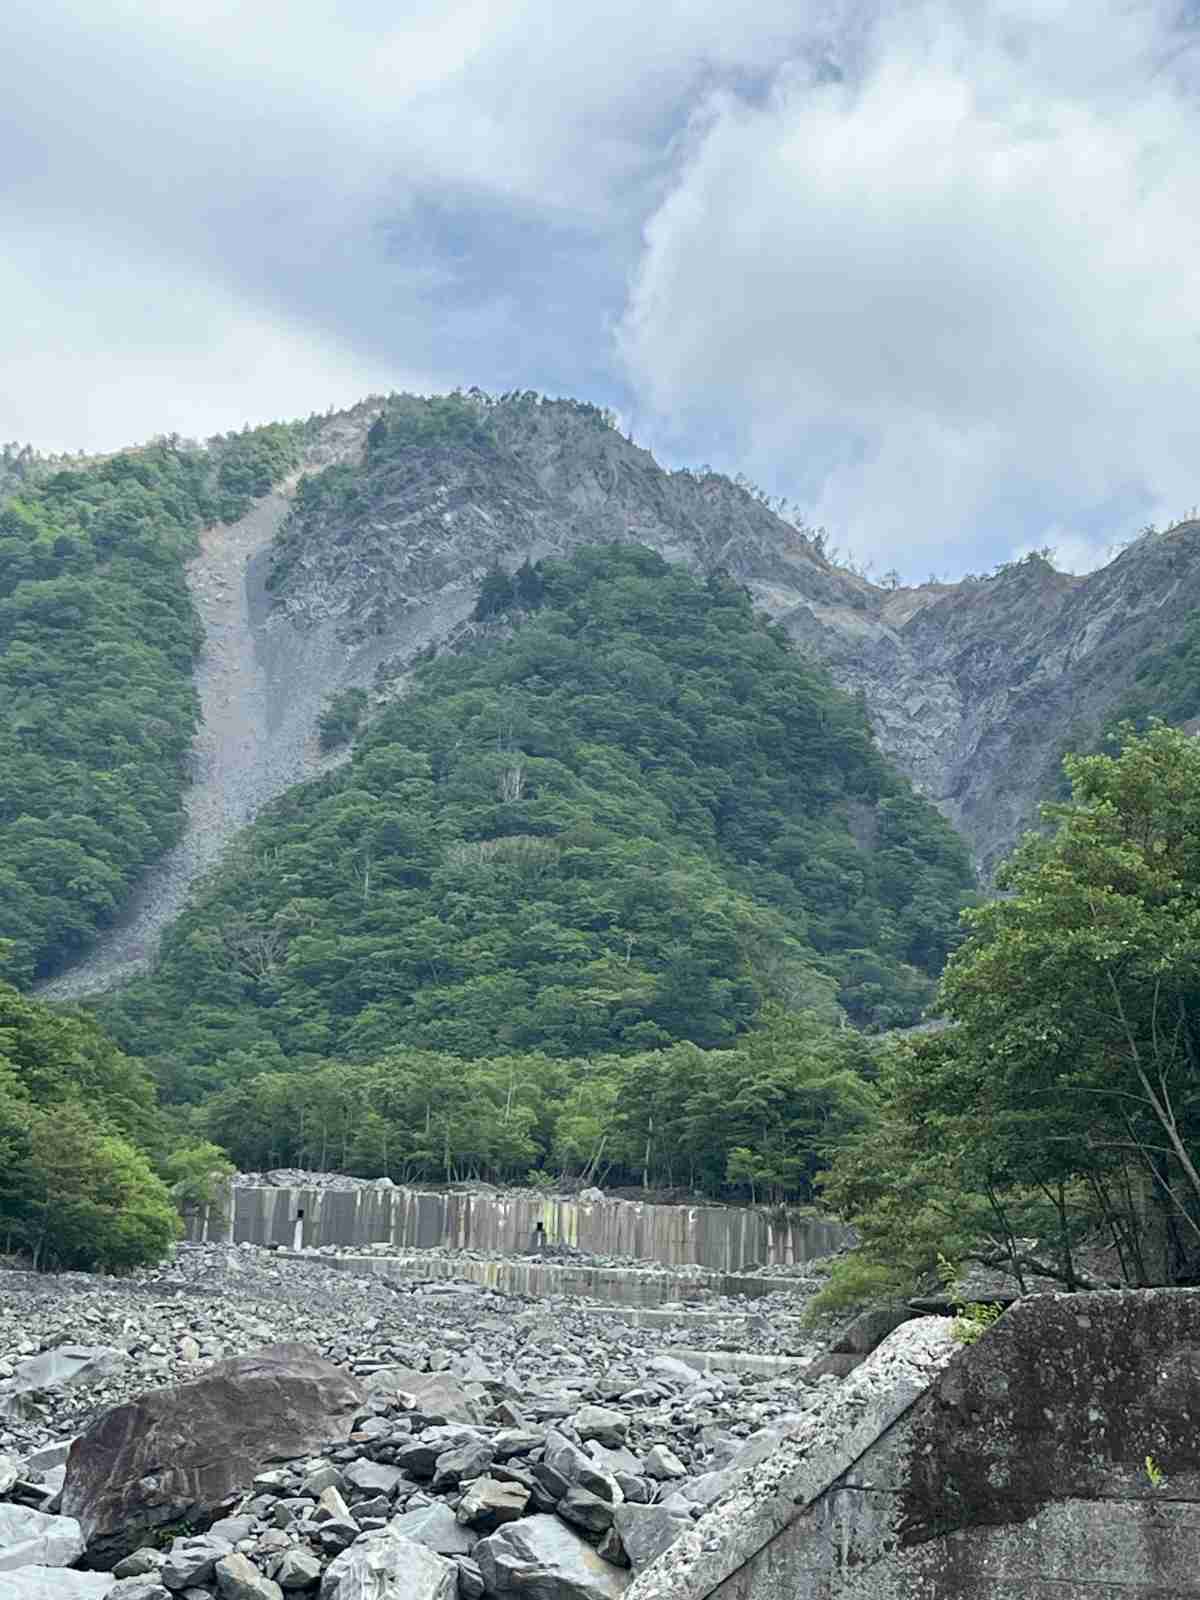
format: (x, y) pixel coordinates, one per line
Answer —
(436, 1440)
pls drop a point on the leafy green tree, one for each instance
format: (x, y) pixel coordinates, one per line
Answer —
(1066, 1096)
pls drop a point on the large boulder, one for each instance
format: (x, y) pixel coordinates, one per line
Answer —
(33, 1539)
(175, 1455)
(384, 1565)
(539, 1558)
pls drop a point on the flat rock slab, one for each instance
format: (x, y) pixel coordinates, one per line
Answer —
(54, 1583)
(34, 1539)
(174, 1455)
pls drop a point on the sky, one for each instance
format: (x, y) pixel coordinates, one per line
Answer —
(927, 270)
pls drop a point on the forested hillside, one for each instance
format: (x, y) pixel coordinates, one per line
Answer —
(637, 821)
(97, 645)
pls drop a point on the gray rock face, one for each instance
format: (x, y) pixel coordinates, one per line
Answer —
(33, 1539)
(539, 1558)
(175, 1454)
(387, 1566)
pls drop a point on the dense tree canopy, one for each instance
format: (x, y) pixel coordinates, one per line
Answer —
(632, 824)
(77, 1118)
(97, 645)
(1066, 1098)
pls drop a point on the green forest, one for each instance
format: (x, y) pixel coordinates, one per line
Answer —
(98, 640)
(637, 822)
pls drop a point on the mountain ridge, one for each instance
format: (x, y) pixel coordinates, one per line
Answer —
(397, 509)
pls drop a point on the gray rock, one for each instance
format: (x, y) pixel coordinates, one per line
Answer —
(437, 1394)
(239, 1579)
(387, 1566)
(599, 1423)
(233, 1528)
(470, 1579)
(10, 1471)
(324, 1475)
(663, 1464)
(176, 1454)
(331, 1507)
(468, 1461)
(191, 1561)
(144, 1588)
(437, 1528)
(586, 1510)
(540, 1558)
(646, 1531)
(65, 1365)
(297, 1569)
(35, 1539)
(373, 1477)
(142, 1563)
(675, 1371)
(489, 1503)
(420, 1457)
(517, 1442)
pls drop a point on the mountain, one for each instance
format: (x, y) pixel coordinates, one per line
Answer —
(368, 553)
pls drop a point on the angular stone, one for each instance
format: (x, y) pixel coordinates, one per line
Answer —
(586, 1510)
(331, 1507)
(239, 1579)
(144, 1588)
(517, 1442)
(297, 1569)
(437, 1394)
(663, 1464)
(437, 1528)
(488, 1503)
(322, 1476)
(142, 1563)
(420, 1457)
(540, 1558)
(468, 1461)
(191, 1561)
(646, 1531)
(10, 1471)
(470, 1579)
(35, 1539)
(387, 1566)
(373, 1477)
(174, 1455)
(599, 1423)
(65, 1365)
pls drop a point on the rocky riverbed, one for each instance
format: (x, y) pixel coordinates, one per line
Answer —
(493, 1433)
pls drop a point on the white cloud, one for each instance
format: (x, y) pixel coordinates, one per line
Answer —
(957, 279)
(108, 350)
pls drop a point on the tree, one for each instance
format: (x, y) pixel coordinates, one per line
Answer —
(1067, 1093)
(496, 595)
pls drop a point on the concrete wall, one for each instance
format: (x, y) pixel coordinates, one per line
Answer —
(622, 1286)
(719, 1238)
(1018, 1473)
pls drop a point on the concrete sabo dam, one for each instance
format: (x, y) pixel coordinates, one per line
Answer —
(699, 1251)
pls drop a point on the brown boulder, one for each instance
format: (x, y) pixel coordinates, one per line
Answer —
(175, 1455)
